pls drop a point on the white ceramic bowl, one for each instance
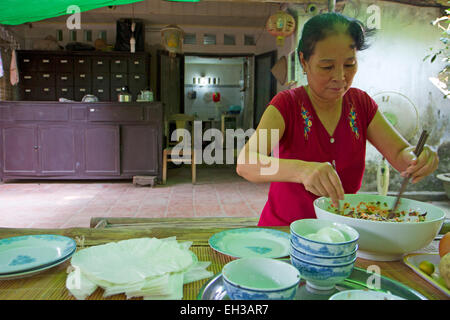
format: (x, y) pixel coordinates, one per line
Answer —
(364, 295)
(322, 277)
(300, 228)
(260, 279)
(385, 240)
(323, 260)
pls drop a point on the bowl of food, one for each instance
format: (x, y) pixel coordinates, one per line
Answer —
(320, 276)
(260, 279)
(384, 235)
(323, 238)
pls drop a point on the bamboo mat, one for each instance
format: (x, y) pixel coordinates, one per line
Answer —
(50, 284)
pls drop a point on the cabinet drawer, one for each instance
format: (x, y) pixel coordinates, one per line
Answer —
(26, 62)
(82, 64)
(137, 82)
(45, 94)
(28, 79)
(27, 93)
(82, 79)
(119, 113)
(41, 113)
(51, 113)
(119, 80)
(46, 79)
(137, 65)
(100, 65)
(115, 92)
(80, 92)
(119, 65)
(64, 64)
(65, 92)
(45, 63)
(102, 93)
(100, 79)
(64, 79)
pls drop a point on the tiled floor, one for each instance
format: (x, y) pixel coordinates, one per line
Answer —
(63, 204)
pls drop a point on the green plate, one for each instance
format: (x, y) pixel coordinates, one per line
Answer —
(251, 242)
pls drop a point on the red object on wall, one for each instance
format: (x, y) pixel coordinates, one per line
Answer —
(216, 96)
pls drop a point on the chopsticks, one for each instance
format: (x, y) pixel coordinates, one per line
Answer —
(419, 148)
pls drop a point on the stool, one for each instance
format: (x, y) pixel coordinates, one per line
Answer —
(187, 156)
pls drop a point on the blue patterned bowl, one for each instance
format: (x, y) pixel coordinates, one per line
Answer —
(322, 260)
(322, 277)
(260, 279)
(300, 228)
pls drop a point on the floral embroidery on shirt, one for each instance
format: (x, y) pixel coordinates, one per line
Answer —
(352, 121)
(307, 122)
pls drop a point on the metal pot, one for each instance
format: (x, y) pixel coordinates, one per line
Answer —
(124, 95)
(89, 98)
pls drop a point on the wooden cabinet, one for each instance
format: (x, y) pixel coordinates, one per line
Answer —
(101, 149)
(38, 150)
(50, 75)
(53, 140)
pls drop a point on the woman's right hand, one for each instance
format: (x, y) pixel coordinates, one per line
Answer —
(321, 179)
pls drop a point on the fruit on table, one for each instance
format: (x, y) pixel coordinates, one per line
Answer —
(444, 269)
(444, 245)
(427, 267)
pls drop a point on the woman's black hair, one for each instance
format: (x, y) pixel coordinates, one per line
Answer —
(321, 26)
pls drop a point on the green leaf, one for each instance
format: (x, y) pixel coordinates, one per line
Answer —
(433, 58)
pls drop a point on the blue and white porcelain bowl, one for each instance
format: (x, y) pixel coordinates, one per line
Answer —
(322, 277)
(323, 260)
(301, 228)
(260, 279)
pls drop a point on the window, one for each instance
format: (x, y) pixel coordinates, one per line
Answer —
(88, 35)
(249, 40)
(73, 35)
(229, 39)
(102, 35)
(209, 39)
(190, 38)
(59, 35)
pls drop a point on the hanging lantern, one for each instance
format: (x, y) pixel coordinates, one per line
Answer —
(280, 25)
(172, 39)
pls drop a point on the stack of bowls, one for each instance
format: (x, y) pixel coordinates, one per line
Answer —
(322, 264)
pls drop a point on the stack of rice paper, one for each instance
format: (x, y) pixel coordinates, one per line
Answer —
(146, 267)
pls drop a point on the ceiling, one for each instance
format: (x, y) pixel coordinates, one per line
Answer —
(160, 12)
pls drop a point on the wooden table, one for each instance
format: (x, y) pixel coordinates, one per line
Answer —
(50, 285)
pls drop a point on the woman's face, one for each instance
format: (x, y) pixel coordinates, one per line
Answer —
(331, 67)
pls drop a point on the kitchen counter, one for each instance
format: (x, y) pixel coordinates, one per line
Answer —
(50, 285)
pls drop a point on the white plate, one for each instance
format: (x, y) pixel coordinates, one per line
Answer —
(29, 273)
(251, 242)
(364, 295)
(414, 259)
(27, 253)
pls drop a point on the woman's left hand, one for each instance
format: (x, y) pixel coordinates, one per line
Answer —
(419, 168)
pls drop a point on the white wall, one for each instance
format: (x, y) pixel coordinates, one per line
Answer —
(229, 88)
(394, 62)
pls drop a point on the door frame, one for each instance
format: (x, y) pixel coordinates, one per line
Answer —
(273, 82)
(160, 52)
